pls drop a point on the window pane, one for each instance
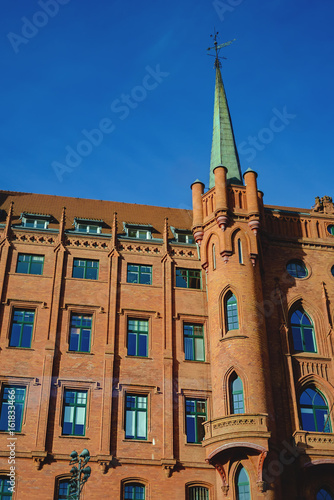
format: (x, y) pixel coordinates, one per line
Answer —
(191, 433)
(130, 424)
(199, 349)
(308, 339)
(141, 425)
(308, 423)
(142, 348)
(188, 348)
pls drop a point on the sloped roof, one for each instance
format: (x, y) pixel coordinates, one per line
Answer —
(93, 209)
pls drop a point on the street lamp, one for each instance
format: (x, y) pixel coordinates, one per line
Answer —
(79, 473)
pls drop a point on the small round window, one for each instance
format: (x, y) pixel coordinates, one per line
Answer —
(297, 269)
(332, 270)
(330, 229)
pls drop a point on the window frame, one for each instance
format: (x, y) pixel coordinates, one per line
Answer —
(194, 337)
(23, 323)
(138, 333)
(196, 414)
(237, 483)
(60, 480)
(301, 328)
(10, 387)
(139, 273)
(314, 408)
(233, 378)
(294, 273)
(35, 220)
(29, 263)
(188, 278)
(3, 494)
(190, 487)
(137, 410)
(228, 296)
(135, 482)
(82, 315)
(75, 390)
(85, 267)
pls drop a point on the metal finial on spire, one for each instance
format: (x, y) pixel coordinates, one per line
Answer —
(217, 49)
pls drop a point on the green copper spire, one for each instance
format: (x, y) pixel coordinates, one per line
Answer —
(224, 150)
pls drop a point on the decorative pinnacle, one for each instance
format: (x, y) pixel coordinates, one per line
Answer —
(217, 49)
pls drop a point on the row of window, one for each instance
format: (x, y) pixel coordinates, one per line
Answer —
(137, 491)
(81, 330)
(89, 269)
(138, 329)
(314, 412)
(90, 226)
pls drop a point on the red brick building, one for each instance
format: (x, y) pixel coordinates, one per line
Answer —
(204, 371)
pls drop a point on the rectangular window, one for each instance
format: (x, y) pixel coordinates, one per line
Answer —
(12, 405)
(88, 228)
(198, 493)
(22, 326)
(195, 416)
(74, 419)
(139, 274)
(138, 337)
(188, 278)
(185, 238)
(80, 332)
(193, 342)
(30, 264)
(142, 234)
(85, 269)
(135, 417)
(35, 223)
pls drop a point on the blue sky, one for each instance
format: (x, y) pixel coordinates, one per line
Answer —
(139, 72)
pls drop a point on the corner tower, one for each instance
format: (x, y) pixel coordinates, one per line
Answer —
(226, 221)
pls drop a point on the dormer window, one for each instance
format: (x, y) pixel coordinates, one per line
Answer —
(141, 232)
(88, 226)
(183, 236)
(35, 221)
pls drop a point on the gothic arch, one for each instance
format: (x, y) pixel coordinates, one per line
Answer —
(234, 370)
(316, 318)
(221, 307)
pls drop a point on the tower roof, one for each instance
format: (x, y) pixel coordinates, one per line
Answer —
(223, 150)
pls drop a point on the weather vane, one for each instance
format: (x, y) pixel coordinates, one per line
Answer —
(217, 48)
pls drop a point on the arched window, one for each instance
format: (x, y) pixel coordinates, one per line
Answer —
(324, 494)
(63, 489)
(302, 331)
(231, 312)
(242, 483)
(198, 493)
(237, 395)
(134, 491)
(314, 411)
(241, 261)
(5, 492)
(214, 263)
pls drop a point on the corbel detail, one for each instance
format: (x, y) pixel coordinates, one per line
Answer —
(168, 466)
(226, 254)
(222, 219)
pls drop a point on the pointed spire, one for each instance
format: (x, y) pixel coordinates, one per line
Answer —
(224, 150)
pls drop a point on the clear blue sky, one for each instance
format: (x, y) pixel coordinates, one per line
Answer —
(72, 72)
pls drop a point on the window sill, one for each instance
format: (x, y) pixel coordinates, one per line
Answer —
(141, 284)
(80, 352)
(15, 434)
(74, 437)
(235, 335)
(194, 444)
(196, 361)
(84, 279)
(137, 357)
(22, 348)
(129, 440)
(186, 288)
(29, 274)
